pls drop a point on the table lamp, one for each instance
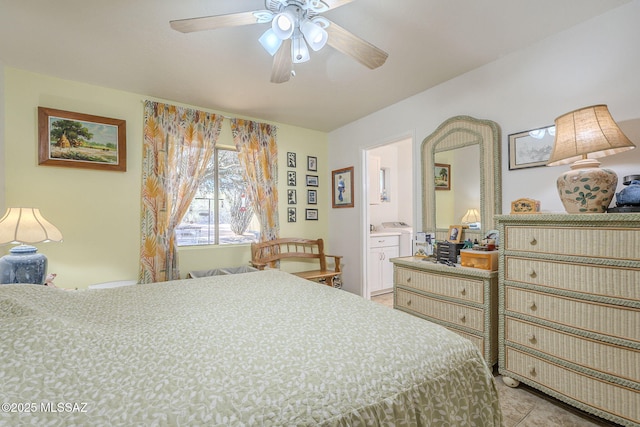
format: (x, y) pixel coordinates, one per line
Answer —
(582, 136)
(24, 264)
(472, 219)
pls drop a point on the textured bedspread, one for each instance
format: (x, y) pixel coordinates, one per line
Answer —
(257, 349)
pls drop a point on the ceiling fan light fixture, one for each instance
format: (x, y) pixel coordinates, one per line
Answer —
(284, 23)
(314, 34)
(270, 41)
(299, 50)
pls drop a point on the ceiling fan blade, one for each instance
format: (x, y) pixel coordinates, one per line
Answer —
(352, 45)
(212, 22)
(282, 63)
(336, 3)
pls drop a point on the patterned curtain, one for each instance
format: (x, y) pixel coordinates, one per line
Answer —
(258, 154)
(178, 145)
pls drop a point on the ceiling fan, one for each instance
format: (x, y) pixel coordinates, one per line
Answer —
(296, 25)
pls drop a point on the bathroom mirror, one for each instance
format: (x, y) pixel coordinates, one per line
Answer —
(470, 149)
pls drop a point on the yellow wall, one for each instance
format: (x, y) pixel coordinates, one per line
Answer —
(98, 212)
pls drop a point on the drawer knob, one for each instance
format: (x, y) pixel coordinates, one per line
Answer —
(532, 370)
(532, 273)
(533, 241)
(408, 302)
(531, 305)
(408, 279)
(462, 317)
(463, 291)
(531, 337)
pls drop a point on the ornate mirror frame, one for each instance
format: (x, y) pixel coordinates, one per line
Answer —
(460, 132)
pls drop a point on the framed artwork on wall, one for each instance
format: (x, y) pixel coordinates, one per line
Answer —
(532, 148)
(291, 178)
(312, 180)
(312, 164)
(312, 214)
(291, 214)
(342, 188)
(292, 197)
(312, 197)
(442, 176)
(291, 160)
(79, 140)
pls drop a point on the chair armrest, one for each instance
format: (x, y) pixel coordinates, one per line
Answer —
(336, 261)
(258, 265)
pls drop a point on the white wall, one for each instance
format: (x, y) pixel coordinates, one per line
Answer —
(595, 62)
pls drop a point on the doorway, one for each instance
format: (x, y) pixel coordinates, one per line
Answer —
(389, 212)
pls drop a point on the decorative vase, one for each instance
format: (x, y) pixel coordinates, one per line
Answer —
(587, 188)
(23, 265)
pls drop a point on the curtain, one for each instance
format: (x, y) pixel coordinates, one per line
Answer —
(258, 154)
(177, 149)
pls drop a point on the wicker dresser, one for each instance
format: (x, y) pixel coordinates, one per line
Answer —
(465, 300)
(569, 309)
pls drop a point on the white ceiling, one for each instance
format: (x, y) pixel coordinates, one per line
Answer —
(128, 45)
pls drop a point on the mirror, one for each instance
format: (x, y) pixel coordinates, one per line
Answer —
(461, 171)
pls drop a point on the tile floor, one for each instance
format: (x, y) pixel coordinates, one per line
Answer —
(527, 407)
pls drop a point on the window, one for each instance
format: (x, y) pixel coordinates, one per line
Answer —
(221, 213)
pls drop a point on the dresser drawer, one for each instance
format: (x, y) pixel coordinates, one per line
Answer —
(606, 319)
(456, 314)
(611, 359)
(439, 284)
(616, 282)
(617, 400)
(601, 242)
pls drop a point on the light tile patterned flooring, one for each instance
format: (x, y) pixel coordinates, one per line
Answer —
(526, 407)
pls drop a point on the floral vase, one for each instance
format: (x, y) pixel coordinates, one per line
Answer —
(586, 188)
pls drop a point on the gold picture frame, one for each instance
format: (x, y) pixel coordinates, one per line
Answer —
(79, 140)
(455, 233)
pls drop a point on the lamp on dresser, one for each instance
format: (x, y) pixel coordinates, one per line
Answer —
(24, 264)
(582, 136)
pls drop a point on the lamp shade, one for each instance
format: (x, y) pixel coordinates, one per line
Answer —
(471, 216)
(27, 225)
(589, 132)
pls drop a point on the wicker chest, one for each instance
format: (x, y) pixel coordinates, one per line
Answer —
(569, 309)
(464, 300)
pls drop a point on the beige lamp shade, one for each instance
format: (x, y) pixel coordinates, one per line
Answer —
(471, 216)
(27, 225)
(589, 132)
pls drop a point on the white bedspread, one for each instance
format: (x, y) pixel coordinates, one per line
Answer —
(256, 349)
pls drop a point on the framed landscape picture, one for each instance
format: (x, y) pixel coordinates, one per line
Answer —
(442, 176)
(79, 140)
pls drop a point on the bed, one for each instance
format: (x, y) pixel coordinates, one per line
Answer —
(264, 348)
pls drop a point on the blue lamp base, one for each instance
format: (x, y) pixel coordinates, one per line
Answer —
(23, 265)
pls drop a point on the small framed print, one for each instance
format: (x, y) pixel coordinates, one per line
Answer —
(312, 163)
(291, 160)
(292, 198)
(342, 188)
(312, 197)
(291, 178)
(455, 233)
(442, 176)
(291, 214)
(312, 180)
(312, 214)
